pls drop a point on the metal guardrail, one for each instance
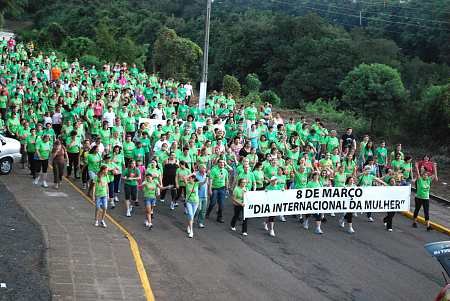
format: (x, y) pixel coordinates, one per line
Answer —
(435, 197)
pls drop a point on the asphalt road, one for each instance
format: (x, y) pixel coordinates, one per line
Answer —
(22, 254)
(219, 264)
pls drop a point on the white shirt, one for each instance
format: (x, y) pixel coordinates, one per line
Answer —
(158, 113)
(57, 118)
(48, 119)
(109, 117)
(188, 89)
(159, 143)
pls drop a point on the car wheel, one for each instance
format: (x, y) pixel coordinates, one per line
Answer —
(6, 166)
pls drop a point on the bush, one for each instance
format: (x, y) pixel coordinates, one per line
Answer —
(231, 86)
(270, 97)
(89, 60)
(252, 97)
(327, 110)
(252, 83)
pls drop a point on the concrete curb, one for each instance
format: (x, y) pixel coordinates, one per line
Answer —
(433, 225)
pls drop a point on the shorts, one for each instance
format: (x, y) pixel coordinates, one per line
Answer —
(149, 202)
(130, 192)
(92, 175)
(101, 202)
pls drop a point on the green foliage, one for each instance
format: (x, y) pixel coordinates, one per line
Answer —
(270, 97)
(375, 91)
(252, 83)
(328, 111)
(252, 97)
(105, 41)
(175, 56)
(76, 47)
(436, 102)
(232, 86)
(91, 60)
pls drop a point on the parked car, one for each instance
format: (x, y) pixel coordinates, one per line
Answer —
(441, 250)
(9, 153)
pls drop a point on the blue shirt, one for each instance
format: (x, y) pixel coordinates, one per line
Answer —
(202, 189)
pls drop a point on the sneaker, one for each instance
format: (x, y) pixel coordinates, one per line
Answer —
(220, 220)
(244, 233)
(128, 212)
(44, 184)
(146, 223)
(282, 218)
(389, 230)
(36, 181)
(116, 199)
(191, 234)
(150, 226)
(318, 231)
(385, 224)
(233, 228)
(162, 200)
(429, 228)
(332, 214)
(56, 186)
(96, 224)
(112, 205)
(351, 230)
(188, 230)
(414, 225)
(272, 233)
(136, 203)
(172, 206)
(175, 204)
(306, 224)
(341, 223)
(103, 224)
(370, 219)
(266, 227)
(84, 186)
(200, 225)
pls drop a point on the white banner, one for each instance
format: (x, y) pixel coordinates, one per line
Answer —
(326, 200)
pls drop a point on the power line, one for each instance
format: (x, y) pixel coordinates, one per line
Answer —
(398, 5)
(358, 16)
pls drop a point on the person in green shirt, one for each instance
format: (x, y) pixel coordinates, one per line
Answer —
(238, 205)
(73, 143)
(128, 148)
(30, 148)
(100, 195)
(151, 188)
(367, 179)
(270, 222)
(43, 150)
(218, 188)
(180, 183)
(192, 201)
(423, 185)
(314, 182)
(381, 154)
(131, 175)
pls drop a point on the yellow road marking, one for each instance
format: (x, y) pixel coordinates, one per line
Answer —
(133, 246)
(433, 225)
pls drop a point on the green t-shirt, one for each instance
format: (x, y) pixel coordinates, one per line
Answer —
(365, 180)
(339, 179)
(250, 178)
(94, 161)
(3, 101)
(101, 186)
(44, 149)
(74, 148)
(219, 177)
(128, 148)
(31, 143)
(423, 188)
(300, 180)
(238, 194)
(259, 178)
(192, 192)
(149, 189)
(182, 172)
(381, 153)
(135, 172)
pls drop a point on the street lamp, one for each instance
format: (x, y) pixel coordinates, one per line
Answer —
(203, 84)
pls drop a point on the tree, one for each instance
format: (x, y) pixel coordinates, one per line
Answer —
(375, 91)
(105, 41)
(252, 83)
(12, 7)
(232, 86)
(436, 102)
(175, 56)
(79, 46)
(270, 97)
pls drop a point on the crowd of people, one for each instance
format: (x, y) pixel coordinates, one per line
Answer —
(119, 129)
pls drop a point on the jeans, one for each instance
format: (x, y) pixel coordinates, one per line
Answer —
(191, 209)
(218, 196)
(202, 209)
(426, 208)
(237, 213)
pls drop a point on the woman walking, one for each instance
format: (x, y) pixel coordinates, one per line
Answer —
(192, 201)
(131, 175)
(423, 185)
(238, 204)
(43, 149)
(100, 196)
(59, 159)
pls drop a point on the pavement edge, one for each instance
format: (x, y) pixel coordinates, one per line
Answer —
(133, 246)
(420, 219)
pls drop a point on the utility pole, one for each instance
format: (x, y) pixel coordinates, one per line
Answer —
(360, 18)
(204, 82)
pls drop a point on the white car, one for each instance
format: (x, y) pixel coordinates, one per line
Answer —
(9, 153)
